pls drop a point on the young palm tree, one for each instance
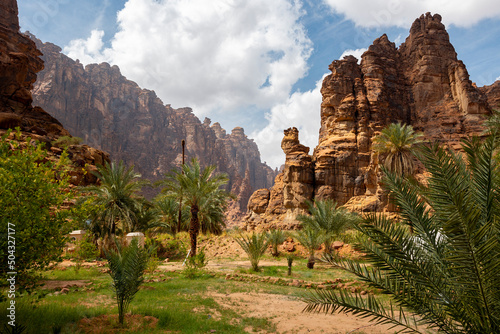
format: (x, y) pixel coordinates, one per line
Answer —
(398, 141)
(448, 271)
(200, 189)
(168, 210)
(255, 246)
(276, 238)
(115, 198)
(311, 239)
(331, 220)
(126, 268)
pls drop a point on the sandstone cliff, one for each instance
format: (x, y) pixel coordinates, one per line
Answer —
(492, 92)
(19, 63)
(112, 113)
(421, 83)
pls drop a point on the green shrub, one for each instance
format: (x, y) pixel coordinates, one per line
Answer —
(65, 141)
(170, 247)
(255, 246)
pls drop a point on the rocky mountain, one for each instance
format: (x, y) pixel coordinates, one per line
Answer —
(98, 104)
(421, 83)
(19, 63)
(492, 93)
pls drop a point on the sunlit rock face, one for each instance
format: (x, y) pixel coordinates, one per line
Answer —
(421, 83)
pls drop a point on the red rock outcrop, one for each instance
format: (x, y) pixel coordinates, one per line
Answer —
(421, 83)
(98, 104)
(19, 64)
(492, 93)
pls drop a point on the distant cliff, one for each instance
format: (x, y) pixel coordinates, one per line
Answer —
(19, 64)
(99, 104)
(421, 83)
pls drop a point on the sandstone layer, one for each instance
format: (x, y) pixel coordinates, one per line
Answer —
(421, 83)
(492, 92)
(19, 63)
(98, 104)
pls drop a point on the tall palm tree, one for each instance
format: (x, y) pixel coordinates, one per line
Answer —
(327, 217)
(397, 141)
(115, 199)
(448, 271)
(201, 189)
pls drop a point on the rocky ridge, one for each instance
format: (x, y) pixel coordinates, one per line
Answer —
(19, 63)
(421, 83)
(100, 105)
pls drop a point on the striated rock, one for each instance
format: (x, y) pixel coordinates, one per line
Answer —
(19, 64)
(421, 83)
(99, 104)
(492, 93)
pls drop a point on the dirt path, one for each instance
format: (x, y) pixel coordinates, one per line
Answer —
(286, 313)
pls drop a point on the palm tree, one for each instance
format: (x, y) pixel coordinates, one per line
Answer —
(448, 272)
(276, 238)
(201, 190)
(126, 268)
(398, 141)
(255, 246)
(115, 199)
(311, 239)
(327, 217)
(168, 210)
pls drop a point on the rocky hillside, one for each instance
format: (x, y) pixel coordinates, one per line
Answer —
(19, 64)
(98, 104)
(421, 83)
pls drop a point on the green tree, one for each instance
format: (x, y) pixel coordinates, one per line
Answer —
(448, 271)
(276, 238)
(33, 190)
(311, 239)
(116, 199)
(325, 216)
(201, 191)
(126, 268)
(255, 246)
(398, 142)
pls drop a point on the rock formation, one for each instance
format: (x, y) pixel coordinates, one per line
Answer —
(492, 93)
(98, 104)
(421, 83)
(19, 63)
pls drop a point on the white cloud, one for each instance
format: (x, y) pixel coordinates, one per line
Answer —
(497, 79)
(215, 56)
(356, 53)
(301, 110)
(87, 50)
(382, 13)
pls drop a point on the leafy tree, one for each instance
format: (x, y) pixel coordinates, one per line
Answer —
(311, 239)
(201, 191)
(255, 246)
(276, 238)
(33, 223)
(331, 220)
(397, 142)
(126, 268)
(448, 271)
(116, 199)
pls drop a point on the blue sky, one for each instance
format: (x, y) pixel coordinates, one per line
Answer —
(251, 63)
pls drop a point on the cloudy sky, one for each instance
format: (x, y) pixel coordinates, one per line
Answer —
(251, 63)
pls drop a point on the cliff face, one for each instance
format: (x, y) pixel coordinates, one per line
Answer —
(19, 63)
(112, 113)
(421, 83)
(492, 92)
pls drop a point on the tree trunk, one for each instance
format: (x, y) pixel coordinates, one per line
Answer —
(194, 228)
(311, 261)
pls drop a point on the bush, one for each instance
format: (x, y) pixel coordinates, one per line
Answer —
(33, 217)
(255, 246)
(65, 141)
(169, 247)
